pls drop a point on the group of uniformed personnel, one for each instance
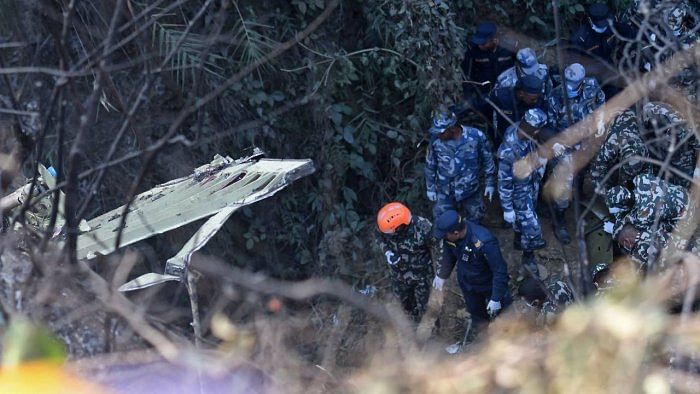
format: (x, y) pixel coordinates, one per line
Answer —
(525, 104)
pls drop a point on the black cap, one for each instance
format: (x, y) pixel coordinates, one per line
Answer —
(447, 222)
(529, 84)
(484, 32)
(598, 12)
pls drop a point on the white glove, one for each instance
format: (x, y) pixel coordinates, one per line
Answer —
(558, 149)
(493, 307)
(488, 192)
(438, 282)
(509, 217)
(608, 227)
(432, 196)
(391, 258)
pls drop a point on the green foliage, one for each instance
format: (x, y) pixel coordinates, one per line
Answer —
(187, 57)
(374, 92)
(24, 342)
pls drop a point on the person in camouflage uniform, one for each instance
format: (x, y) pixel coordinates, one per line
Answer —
(458, 157)
(652, 201)
(550, 303)
(664, 125)
(408, 247)
(684, 35)
(623, 145)
(526, 64)
(519, 196)
(584, 96)
(665, 28)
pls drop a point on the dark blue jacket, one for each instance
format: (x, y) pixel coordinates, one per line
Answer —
(480, 265)
(482, 66)
(600, 46)
(506, 101)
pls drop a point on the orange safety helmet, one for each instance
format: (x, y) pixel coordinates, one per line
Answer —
(392, 216)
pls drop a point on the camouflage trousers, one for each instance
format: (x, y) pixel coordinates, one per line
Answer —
(472, 207)
(413, 296)
(561, 180)
(684, 162)
(527, 224)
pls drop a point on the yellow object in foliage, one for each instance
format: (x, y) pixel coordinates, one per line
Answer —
(38, 377)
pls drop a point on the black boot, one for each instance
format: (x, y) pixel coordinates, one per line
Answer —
(560, 230)
(529, 264)
(517, 237)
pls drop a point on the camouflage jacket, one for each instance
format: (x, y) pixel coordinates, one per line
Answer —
(508, 79)
(664, 124)
(562, 296)
(415, 248)
(654, 197)
(621, 144)
(511, 150)
(590, 98)
(454, 168)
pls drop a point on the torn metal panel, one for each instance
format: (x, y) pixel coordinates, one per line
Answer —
(176, 266)
(220, 185)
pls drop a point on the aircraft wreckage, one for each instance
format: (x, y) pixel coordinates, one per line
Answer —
(215, 191)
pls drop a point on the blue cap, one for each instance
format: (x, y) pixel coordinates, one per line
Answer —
(535, 117)
(529, 84)
(598, 12)
(527, 58)
(448, 222)
(574, 74)
(484, 32)
(52, 171)
(442, 121)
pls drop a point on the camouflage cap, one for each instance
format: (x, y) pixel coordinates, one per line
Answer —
(674, 17)
(649, 110)
(527, 59)
(442, 121)
(618, 197)
(535, 117)
(574, 74)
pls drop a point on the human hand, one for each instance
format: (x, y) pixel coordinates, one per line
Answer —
(493, 307)
(558, 149)
(608, 227)
(509, 217)
(488, 192)
(438, 282)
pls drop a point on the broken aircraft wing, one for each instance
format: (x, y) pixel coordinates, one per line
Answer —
(224, 184)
